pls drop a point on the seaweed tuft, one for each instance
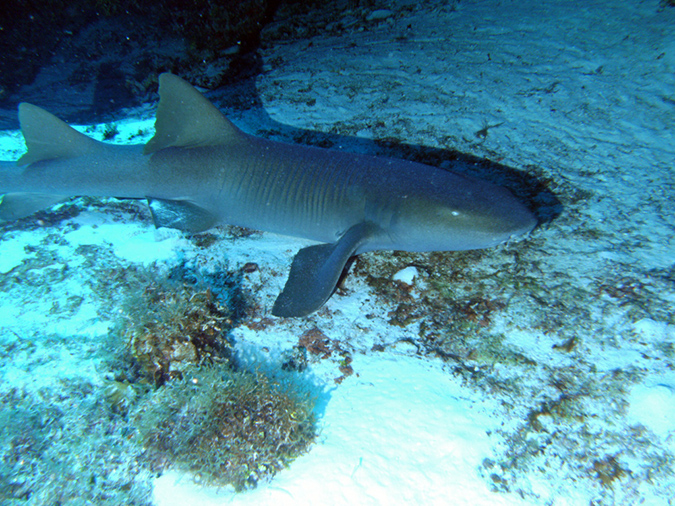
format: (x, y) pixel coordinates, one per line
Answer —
(226, 427)
(171, 324)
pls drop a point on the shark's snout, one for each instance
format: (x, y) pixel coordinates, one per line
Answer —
(504, 217)
(521, 220)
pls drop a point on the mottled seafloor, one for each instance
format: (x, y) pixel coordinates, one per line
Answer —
(538, 372)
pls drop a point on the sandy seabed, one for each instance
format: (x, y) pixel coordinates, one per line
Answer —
(537, 372)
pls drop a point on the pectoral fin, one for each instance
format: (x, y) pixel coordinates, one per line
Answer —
(315, 272)
(181, 214)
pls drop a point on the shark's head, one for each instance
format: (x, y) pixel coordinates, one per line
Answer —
(453, 212)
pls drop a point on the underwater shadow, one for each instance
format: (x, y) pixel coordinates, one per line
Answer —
(239, 92)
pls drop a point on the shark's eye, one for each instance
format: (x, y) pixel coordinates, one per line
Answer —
(448, 214)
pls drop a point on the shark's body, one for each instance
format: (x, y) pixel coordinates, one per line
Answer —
(200, 170)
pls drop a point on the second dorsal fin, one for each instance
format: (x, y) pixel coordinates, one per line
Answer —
(186, 119)
(48, 138)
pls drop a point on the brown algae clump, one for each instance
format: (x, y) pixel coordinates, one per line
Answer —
(227, 427)
(192, 406)
(173, 324)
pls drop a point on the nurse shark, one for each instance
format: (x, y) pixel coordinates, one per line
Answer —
(199, 170)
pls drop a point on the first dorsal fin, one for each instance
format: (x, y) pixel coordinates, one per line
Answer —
(186, 119)
(47, 137)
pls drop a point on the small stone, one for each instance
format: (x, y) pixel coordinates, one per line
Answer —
(406, 275)
(379, 15)
(249, 267)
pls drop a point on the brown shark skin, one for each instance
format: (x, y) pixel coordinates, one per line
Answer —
(211, 172)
